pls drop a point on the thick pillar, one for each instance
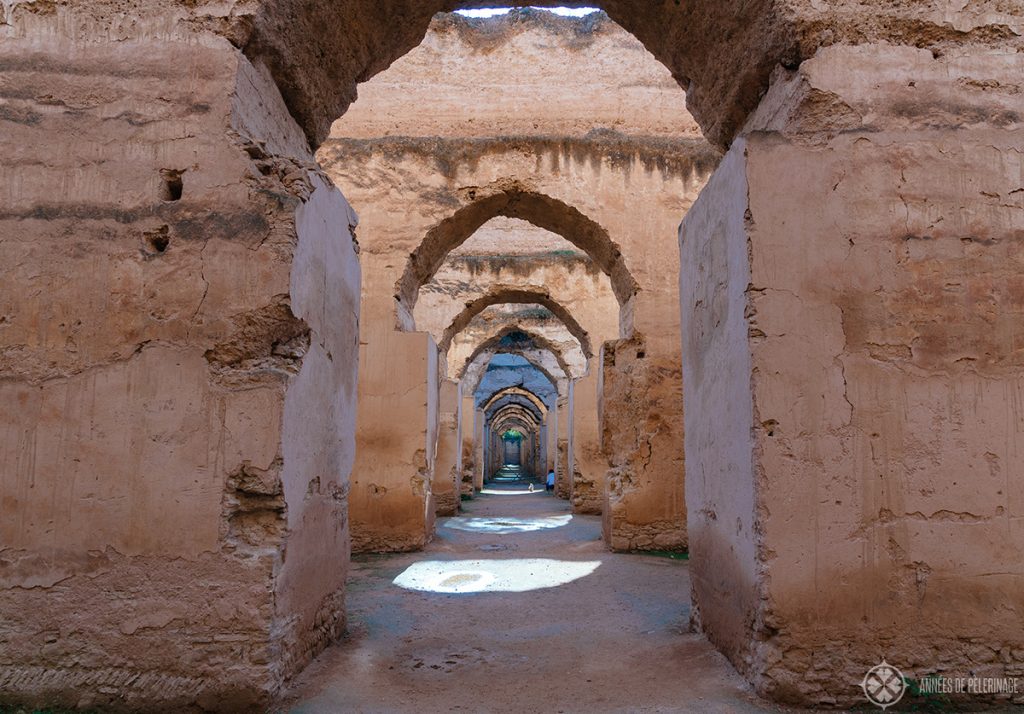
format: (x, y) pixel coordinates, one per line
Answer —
(590, 464)
(482, 447)
(563, 474)
(540, 468)
(853, 371)
(641, 434)
(447, 474)
(468, 444)
(178, 311)
(390, 505)
(551, 448)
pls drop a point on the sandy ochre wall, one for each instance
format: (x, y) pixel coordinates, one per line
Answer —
(862, 497)
(178, 318)
(570, 125)
(161, 520)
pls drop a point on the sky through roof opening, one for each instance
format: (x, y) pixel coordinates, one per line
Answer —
(563, 11)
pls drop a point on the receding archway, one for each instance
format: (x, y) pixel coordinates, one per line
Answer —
(513, 295)
(504, 396)
(501, 340)
(542, 211)
(317, 51)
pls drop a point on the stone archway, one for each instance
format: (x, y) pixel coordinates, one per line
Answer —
(210, 223)
(317, 70)
(558, 432)
(498, 343)
(516, 406)
(542, 211)
(513, 295)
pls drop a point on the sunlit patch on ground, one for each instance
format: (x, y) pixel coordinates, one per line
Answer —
(503, 525)
(478, 576)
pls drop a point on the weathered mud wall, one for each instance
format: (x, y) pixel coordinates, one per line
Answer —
(317, 69)
(525, 73)
(640, 418)
(170, 250)
(590, 462)
(617, 195)
(391, 505)
(714, 281)
(147, 102)
(876, 512)
(446, 488)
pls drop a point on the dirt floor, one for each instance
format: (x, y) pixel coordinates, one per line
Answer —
(520, 609)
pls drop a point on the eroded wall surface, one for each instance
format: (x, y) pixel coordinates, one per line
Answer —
(112, 370)
(634, 179)
(446, 487)
(876, 512)
(391, 504)
(178, 322)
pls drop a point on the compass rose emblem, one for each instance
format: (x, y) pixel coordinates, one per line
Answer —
(884, 685)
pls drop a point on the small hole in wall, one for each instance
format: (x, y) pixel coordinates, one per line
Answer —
(171, 184)
(156, 242)
(641, 354)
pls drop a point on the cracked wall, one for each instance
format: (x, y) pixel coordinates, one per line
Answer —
(447, 485)
(874, 509)
(640, 421)
(130, 250)
(162, 326)
(391, 506)
(421, 196)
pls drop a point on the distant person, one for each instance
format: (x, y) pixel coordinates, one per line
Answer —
(551, 481)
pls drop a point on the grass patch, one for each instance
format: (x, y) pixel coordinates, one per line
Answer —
(670, 554)
(919, 701)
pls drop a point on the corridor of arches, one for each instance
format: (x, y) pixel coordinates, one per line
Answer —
(516, 605)
(519, 312)
(530, 221)
(304, 300)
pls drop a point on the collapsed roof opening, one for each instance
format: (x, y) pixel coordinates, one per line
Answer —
(561, 11)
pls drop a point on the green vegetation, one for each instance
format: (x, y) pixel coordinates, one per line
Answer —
(671, 554)
(914, 700)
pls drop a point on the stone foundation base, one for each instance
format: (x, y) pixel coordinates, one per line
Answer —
(801, 673)
(663, 535)
(446, 505)
(115, 633)
(374, 542)
(587, 498)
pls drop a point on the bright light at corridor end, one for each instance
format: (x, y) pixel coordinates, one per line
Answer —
(496, 576)
(563, 11)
